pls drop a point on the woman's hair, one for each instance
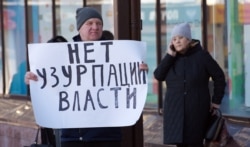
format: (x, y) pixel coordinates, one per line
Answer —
(57, 39)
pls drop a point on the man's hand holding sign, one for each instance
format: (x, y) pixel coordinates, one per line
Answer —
(87, 84)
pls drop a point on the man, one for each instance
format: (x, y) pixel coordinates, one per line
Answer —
(90, 27)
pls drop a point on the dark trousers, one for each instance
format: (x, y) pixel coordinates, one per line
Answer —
(92, 144)
(47, 136)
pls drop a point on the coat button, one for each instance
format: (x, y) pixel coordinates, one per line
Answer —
(80, 138)
(185, 93)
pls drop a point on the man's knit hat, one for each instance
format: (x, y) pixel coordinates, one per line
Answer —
(182, 29)
(85, 13)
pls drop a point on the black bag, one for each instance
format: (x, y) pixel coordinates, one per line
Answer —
(215, 126)
(35, 144)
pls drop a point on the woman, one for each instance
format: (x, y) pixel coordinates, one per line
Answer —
(186, 69)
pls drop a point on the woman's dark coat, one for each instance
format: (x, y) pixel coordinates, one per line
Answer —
(187, 100)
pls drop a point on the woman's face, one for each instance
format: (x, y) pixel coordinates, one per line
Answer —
(91, 30)
(180, 43)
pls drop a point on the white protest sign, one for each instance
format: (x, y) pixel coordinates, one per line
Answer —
(88, 84)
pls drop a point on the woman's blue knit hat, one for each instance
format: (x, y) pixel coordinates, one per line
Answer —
(85, 13)
(182, 29)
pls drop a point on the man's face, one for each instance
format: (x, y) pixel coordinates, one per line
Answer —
(91, 30)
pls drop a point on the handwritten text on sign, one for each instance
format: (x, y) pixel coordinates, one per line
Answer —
(88, 84)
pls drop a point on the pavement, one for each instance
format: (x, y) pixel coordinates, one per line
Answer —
(238, 129)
